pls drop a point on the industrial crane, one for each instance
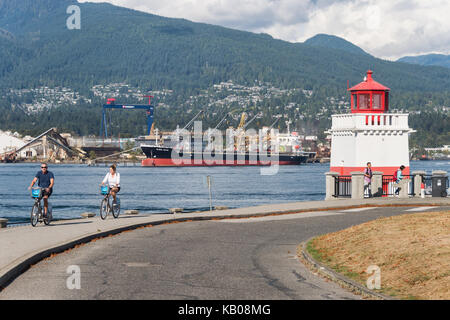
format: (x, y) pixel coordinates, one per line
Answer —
(240, 131)
(221, 121)
(242, 122)
(267, 137)
(193, 119)
(112, 105)
(251, 120)
(271, 126)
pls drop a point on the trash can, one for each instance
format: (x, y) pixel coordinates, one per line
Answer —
(439, 186)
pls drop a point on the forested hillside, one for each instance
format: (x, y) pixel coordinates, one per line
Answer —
(441, 60)
(153, 53)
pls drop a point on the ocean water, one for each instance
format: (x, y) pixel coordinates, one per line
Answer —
(155, 190)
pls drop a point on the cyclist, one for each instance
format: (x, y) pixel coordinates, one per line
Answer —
(112, 178)
(46, 180)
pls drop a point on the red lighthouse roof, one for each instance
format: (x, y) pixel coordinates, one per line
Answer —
(369, 84)
(369, 96)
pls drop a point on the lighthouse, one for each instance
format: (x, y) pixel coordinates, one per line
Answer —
(369, 133)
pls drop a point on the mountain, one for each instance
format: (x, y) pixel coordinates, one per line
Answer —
(333, 42)
(10, 52)
(120, 45)
(23, 16)
(428, 60)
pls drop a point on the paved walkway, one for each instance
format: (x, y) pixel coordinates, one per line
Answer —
(24, 246)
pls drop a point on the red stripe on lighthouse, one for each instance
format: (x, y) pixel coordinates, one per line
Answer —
(346, 171)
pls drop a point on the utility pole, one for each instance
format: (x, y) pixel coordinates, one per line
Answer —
(208, 181)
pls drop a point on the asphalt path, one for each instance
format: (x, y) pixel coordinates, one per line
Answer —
(233, 259)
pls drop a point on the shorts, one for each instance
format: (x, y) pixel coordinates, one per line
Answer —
(118, 189)
(45, 193)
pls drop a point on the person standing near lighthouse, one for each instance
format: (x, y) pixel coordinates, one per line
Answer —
(368, 179)
(398, 177)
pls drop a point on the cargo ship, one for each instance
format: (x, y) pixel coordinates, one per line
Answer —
(163, 149)
(159, 156)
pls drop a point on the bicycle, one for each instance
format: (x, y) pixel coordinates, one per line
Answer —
(107, 204)
(36, 211)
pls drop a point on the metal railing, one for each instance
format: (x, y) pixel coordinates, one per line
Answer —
(428, 185)
(342, 187)
(427, 181)
(389, 186)
(411, 185)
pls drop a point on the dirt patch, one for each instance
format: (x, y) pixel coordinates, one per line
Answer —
(411, 250)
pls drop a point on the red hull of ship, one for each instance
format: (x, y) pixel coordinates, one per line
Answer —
(202, 163)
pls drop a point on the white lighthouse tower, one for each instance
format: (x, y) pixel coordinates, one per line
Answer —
(369, 133)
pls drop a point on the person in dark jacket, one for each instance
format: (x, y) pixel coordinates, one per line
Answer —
(368, 179)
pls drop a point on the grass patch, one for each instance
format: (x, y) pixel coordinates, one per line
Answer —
(411, 250)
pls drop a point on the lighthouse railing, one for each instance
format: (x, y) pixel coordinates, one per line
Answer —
(342, 186)
(370, 121)
(390, 185)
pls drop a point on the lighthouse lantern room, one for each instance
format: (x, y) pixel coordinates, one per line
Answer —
(369, 133)
(369, 96)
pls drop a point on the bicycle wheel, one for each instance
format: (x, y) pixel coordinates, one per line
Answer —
(35, 214)
(116, 208)
(104, 209)
(48, 219)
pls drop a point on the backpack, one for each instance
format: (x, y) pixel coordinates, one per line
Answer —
(395, 176)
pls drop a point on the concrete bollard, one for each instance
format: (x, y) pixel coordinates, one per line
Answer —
(221, 208)
(329, 185)
(176, 210)
(439, 173)
(403, 185)
(3, 223)
(85, 215)
(357, 185)
(130, 212)
(418, 175)
(377, 184)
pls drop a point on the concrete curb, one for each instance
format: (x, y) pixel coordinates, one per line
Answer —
(340, 279)
(19, 266)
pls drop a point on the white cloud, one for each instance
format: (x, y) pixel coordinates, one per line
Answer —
(384, 28)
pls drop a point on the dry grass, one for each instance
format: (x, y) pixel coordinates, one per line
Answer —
(412, 251)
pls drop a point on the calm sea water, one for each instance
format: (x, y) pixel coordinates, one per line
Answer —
(154, 190)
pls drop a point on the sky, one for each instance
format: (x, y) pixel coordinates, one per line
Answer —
(387, 29)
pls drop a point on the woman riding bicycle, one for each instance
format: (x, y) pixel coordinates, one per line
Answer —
(112, 178)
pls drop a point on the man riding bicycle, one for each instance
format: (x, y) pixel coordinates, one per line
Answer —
(112, 178)
(46, 180)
